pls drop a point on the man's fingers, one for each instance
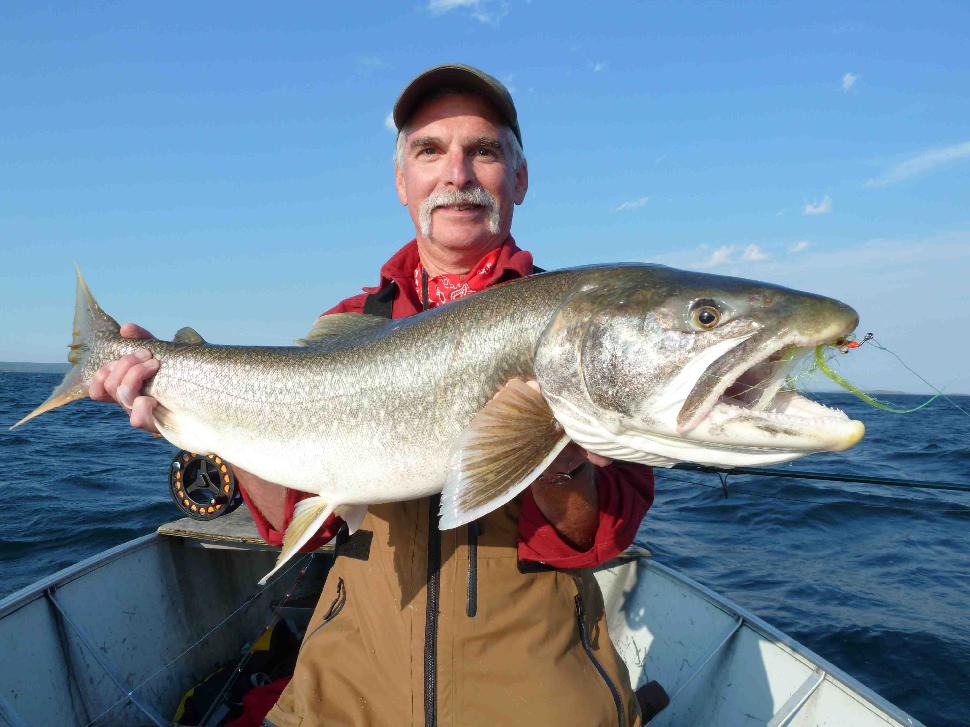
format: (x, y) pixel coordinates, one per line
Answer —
(134, 379)
(133, 330)
(118, 369)
(142, 413)
(96, 389)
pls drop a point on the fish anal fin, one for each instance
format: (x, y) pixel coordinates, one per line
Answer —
(187, 334)
(507, 445)
(339, 324)
(308, 516)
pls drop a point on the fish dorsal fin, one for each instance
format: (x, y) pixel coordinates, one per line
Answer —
(507, 445)
(339, 324)
(188, 334)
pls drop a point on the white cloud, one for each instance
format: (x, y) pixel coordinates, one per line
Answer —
(631, 204)
(848, 81)
(754, 254)
(598, 66)
(822, 207)
(799, 246)
(929, 299)
(389, 122)
(484, 11)
(724, 256)
(922, 163)
(720, 256)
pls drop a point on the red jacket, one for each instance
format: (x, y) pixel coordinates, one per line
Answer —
(625, 490)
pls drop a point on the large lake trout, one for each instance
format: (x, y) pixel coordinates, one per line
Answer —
(475, 399)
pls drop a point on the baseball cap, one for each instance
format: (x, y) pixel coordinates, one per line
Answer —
(456, 75)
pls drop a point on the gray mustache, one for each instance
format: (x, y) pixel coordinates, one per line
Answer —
(450, 197)
(478, 196)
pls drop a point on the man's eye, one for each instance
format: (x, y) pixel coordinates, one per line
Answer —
(484, 151)
(426, 151)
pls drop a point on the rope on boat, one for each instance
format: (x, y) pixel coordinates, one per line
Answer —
(104, 664)
(245, 604)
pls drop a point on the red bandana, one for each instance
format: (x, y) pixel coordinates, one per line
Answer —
(446, 287)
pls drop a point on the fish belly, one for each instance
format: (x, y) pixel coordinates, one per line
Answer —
(344, 467)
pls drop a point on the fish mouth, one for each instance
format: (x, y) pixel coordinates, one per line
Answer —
(752, 386)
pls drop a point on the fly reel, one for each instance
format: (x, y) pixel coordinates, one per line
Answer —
(203, 486)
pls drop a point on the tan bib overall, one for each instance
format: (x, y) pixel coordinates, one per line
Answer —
(507, 648)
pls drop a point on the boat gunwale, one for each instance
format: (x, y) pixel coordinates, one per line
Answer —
(840, 679)
(846, 683)
(28, 594)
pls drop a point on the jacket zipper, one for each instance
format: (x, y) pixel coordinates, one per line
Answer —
(471, 600)
(584, 637)
(433, 587)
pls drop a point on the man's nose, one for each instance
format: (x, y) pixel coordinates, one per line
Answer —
(460, 172)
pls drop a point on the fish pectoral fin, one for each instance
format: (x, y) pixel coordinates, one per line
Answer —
(506, 446)
(187, 334)
(339, 324)
(308, 516)
(353, 515)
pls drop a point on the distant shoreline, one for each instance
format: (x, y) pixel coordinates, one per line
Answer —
(30, 367)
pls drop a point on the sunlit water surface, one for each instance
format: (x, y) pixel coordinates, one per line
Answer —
(876, 580)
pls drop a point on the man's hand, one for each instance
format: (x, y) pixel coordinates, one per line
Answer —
(121, 381)
(570, 504)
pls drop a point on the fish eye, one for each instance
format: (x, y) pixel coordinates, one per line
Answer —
(705, 315)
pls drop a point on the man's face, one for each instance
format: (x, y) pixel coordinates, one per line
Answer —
(457, 143)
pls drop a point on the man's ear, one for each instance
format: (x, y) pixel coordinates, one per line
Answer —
(402, 193)
(521, 183)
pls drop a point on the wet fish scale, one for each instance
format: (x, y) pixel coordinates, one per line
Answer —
(376, 411)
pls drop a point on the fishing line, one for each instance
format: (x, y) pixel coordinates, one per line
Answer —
(852, 389)
(845, 345)
(245, 604)
(905, 366)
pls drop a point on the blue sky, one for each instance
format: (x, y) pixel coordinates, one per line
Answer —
(227, 167)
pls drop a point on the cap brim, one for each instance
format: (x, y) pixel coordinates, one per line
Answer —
(461, 77)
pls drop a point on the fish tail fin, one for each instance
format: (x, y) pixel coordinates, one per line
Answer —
(308, 516)
(90, 322)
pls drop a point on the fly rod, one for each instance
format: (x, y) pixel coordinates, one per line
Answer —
(798, 474)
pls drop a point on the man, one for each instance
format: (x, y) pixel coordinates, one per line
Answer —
(474, 625)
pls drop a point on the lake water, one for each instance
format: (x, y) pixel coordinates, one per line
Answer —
(875, 579)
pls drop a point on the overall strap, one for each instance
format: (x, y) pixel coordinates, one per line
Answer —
(381, 302)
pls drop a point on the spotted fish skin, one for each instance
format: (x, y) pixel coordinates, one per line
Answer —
(377, 411)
